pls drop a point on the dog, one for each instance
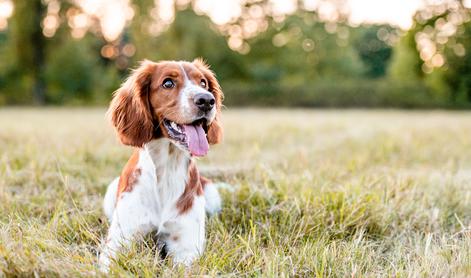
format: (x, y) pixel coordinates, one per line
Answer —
(169, 111)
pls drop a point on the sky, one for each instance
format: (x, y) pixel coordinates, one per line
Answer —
(396, 12)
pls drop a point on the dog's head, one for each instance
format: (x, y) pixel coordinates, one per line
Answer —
(177, 100)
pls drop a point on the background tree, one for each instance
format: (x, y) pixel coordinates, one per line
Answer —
(458, 69)
(28, 48)
(59, 52)
(373, 49)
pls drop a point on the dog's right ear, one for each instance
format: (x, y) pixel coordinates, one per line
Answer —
(130, 111)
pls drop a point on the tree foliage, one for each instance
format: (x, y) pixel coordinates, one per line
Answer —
(261, 58)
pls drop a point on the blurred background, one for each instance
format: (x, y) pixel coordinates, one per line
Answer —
(311, 53)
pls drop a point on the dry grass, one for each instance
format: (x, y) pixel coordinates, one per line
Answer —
(316, 193)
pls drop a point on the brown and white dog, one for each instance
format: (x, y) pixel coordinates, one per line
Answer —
(169, 111)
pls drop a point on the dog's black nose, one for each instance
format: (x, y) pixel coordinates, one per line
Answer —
(204, 102)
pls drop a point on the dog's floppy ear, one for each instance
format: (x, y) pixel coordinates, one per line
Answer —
(130, 111)
(215, 131)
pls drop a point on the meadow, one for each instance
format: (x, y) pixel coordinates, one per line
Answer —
(324, 193)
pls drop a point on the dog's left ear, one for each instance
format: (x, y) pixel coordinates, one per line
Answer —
(215, 131)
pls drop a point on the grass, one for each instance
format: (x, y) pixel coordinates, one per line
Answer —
(316, 193)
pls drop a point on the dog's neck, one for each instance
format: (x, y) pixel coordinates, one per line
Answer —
(176, 178)
(170, 162)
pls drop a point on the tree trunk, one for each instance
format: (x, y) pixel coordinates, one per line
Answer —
(38, 42)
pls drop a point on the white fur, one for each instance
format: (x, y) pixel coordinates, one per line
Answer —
(151, 206)
(213, 199)
(110, 198)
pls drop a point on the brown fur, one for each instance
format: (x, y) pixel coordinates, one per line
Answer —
(193, 188)
(129, 110)
(129, 176)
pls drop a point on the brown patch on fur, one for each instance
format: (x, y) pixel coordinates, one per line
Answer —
(129, 176)
(175, 238)
(193, 188)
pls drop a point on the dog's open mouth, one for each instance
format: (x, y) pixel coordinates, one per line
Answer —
(191, 136)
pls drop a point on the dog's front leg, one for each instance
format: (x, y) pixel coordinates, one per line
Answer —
(128, 221)
(184, 236)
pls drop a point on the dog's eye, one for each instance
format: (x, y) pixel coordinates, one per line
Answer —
(203, 83)
(168, 83)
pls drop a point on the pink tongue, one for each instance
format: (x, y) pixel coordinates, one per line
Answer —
(197, 142)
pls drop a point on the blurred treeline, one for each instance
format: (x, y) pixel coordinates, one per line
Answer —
(261, 58)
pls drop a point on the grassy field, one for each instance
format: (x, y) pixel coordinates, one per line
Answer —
(315, 193)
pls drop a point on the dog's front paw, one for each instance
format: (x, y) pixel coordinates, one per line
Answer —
(185, 258)
(104, 263)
